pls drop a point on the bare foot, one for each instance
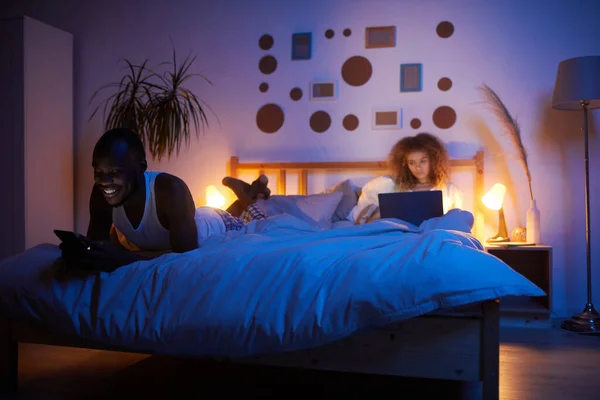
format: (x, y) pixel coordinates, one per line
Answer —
(258, 189)
(229, 182)
(241, 189)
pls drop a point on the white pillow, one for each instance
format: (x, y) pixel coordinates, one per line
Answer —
(316, 209)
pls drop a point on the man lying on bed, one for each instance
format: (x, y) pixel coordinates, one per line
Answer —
(137, 214)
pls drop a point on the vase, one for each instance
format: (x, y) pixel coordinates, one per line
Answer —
(533, 224)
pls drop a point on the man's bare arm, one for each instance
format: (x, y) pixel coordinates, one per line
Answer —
(175, 202)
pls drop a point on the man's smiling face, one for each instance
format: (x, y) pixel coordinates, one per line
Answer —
(116, 172)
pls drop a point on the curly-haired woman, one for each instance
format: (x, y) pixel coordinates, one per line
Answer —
(418, 162)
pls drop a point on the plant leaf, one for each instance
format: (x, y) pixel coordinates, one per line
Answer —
(156, 105)
(510, 126)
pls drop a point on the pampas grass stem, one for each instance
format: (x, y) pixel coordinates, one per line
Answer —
(510, 126)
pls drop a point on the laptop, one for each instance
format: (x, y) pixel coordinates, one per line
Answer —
(412, 207)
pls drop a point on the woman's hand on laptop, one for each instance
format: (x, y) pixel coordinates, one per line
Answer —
(368, 214)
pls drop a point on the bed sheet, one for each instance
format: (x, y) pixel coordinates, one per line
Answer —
(277, 285)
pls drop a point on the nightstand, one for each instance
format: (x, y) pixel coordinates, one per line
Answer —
(535, 264)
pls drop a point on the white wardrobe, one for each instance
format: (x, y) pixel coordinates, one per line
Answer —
(36, 134)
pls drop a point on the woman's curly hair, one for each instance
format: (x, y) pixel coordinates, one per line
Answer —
(439, 160)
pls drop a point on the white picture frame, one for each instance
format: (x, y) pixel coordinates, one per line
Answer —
(323, 90)
(383, 118)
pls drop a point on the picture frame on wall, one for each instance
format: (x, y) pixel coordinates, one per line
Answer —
(323, 90)
(386, 118)
(302, 46)
(380, 37)
(411, 77)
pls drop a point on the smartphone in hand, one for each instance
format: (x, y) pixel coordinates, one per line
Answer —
(73, 240)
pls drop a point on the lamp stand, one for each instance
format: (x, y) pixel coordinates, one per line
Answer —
(587, 321)
(502, 235)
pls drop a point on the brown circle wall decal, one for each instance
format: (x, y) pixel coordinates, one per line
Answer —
(357, 71)
(445, 29)
(444, 84)
(444, 117)
(320, 121)
(347, 32)
(263, 87)
(350, 122)
(269, 118)
(415, 123)
(267, 65)
(296, 94)
(329, 33)
(265, 42)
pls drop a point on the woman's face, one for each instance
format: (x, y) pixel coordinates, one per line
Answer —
(419, 165)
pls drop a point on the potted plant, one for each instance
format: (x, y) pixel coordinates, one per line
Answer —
(156, 105)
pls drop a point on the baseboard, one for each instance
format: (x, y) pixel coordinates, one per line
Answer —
(524, 322)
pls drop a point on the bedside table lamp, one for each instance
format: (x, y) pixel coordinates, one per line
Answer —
(213, 197)
(577, 88)
(494, 200)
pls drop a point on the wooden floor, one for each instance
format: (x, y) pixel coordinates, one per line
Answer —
(535, 364)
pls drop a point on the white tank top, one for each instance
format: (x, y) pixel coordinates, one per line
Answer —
(150, 234)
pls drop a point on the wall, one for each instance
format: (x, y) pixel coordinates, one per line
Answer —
(512, 46)
(48, 93)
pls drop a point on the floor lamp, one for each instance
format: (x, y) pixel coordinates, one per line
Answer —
(577, 87)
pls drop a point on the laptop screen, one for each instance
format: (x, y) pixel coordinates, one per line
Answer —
(412, 207)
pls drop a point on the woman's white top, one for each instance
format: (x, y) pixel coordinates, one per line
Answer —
(451, 194)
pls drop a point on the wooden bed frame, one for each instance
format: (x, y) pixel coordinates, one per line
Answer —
(453, 346)
(442, 345)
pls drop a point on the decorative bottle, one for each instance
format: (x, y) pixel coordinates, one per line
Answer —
(533, 224)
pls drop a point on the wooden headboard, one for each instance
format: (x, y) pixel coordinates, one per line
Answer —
(303, 170)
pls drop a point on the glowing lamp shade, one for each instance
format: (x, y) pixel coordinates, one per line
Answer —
(495, 197)
(213, 197)
(494, 200)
